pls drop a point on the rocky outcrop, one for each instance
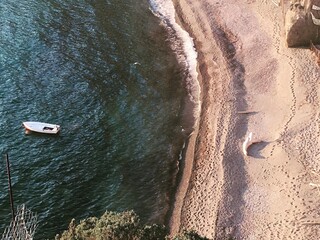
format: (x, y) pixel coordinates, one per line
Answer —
(302, 23)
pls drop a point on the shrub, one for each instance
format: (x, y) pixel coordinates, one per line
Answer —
(113, 226)
(120, 226)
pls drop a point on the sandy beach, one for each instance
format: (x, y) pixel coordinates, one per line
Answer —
(251, 82)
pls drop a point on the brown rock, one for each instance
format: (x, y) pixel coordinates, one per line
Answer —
(302, 23)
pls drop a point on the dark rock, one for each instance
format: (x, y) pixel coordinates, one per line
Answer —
(302, 23)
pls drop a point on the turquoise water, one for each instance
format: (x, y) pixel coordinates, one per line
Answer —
(105, 72)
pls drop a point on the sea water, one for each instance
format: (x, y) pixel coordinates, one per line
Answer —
(109, 74)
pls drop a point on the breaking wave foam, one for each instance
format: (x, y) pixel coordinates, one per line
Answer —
(183, 45)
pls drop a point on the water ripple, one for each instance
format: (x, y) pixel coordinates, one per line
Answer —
(100, 70)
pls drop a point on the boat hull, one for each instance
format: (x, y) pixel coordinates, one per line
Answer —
(41, 127)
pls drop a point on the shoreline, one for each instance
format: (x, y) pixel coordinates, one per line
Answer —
(250, 82)
(201, 158)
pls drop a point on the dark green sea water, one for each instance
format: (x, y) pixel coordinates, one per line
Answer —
(105, 72)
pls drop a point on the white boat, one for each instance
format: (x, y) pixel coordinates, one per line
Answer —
(41, 127)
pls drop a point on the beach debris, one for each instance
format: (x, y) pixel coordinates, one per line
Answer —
(315, 173)
(247, 112)
(247, 142)
(315, 51)
(314, 185)
(310, 223)
(315, 7)
(316, 21)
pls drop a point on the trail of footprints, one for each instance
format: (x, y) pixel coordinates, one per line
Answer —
(305, 223)
(307, 142)
(290, 185)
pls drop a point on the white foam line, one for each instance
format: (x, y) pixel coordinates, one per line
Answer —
(183, 45)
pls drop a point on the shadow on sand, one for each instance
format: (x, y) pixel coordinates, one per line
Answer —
(254, 150)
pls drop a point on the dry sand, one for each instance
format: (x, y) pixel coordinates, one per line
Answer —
(251, 82)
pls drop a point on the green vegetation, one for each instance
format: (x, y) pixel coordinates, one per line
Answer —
(119, 226)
